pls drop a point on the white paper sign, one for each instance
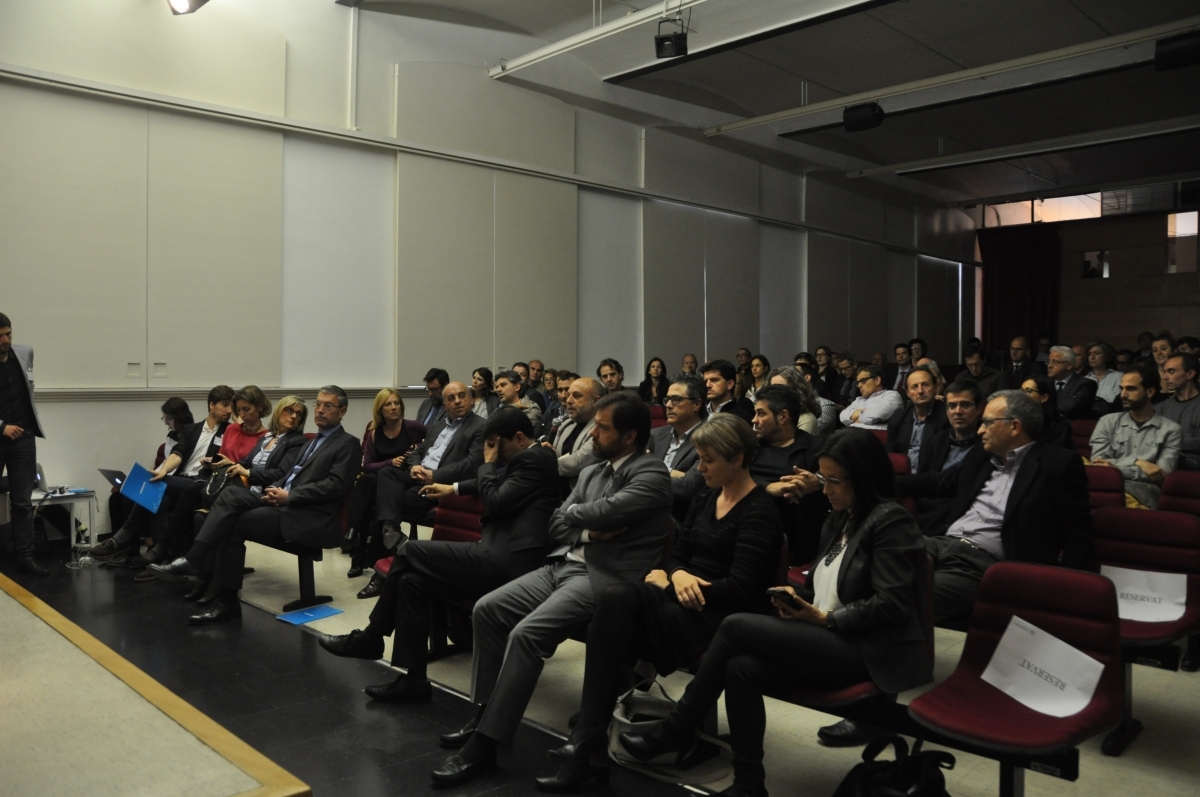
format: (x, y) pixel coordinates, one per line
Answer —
(1041, 671)
(1148, 597)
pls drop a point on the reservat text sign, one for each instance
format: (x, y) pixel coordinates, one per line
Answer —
(1148, 597)
(1041, 671)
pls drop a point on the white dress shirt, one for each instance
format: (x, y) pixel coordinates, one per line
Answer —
(877, 410)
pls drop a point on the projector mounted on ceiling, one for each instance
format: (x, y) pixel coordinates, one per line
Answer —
(670, 45)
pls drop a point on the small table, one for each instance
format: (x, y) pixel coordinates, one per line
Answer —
(41, 499)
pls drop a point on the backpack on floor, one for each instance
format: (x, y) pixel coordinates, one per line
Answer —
(918, 774)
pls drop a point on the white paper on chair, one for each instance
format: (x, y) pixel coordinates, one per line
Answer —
(1041, 671)
(1148, 597)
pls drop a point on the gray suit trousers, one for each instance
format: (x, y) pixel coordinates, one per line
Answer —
(516, 628)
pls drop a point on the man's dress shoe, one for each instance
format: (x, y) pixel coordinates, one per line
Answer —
(401, 690)
(218, 612)
(178, 570)
(457, 770)
(29, 567)
(355, 645)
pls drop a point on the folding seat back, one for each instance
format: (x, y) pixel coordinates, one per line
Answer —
(458, 519)
(1181, 492)
(1081, 436)
(1106, 486)
(1162, 541)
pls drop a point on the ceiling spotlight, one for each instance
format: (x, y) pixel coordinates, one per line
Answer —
(862, 117)
(670, 45)
(185, 6)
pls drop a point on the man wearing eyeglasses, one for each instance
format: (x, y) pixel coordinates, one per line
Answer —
(1011, 498)
(875, 405)
(1020, 367)
(672, 443)
(433, 409)
(1075, 393)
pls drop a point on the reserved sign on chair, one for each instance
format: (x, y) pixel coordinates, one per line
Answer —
(1148, 597)
(1041, 671)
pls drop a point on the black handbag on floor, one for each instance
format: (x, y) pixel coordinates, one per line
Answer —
(918, 774)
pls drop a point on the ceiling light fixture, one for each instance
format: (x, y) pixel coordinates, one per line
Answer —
(671, 45)
(185, 6)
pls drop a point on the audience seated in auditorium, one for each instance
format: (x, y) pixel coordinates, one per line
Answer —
(177, 416)
(1020, 366)
(1187, 345)
(180, 470)
(720, 379)
(556, 412)
(653, 388)
(1140, 442)
(510, 388)
(859, 618)
(875, 406)
(918, 348)
(518, 486)
(537, 370)
(1013, 498)
(673, 443)
(1144, 349)
(690, 365)
(829, 381)
(611, 375)
(1074, 392)
(483, 391)
(432, 409)
(1162, 347)
(816, 414)
(524, 384)
(386, 444)
(979, 372)
(805, 357)
(895, 373)
(948, 448)
(573, 443)
(622, 506)
(1102, 365)
(1056, 430)
(848, 390)
(879, 359)
(549, 390)
(1180, 379)
(725, 556)
(760, 366)
(911, 430)
(300, 507)
(743, 359)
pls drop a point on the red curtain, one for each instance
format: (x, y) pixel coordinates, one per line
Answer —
(1021, 282)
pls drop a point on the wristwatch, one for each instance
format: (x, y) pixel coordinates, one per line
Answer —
(830, 623)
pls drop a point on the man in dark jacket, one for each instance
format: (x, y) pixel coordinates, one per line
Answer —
(909, 432)
(518, 485)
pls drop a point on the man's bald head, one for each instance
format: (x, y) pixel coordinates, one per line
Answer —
(458, 400)
(582, 397)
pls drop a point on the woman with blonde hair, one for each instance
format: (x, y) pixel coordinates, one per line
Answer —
(386, 443)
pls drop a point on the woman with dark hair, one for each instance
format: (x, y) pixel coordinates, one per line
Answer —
(760, 366)
(653, 389)
(483, 388)
(724, 558)
(1056, 430)
(828, 381)
(859, 618)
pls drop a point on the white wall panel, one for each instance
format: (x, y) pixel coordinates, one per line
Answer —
(779, 194)
(837, 208)
(338, 269)
(937, 307)
(828, 288)
(781, 290)
(867, 299)
(731, 284)
(700, 172)
(446, 274)
(610, 282)
(607, 148)
(537, 224)
(673, 279)
(902, 299)
(214, 253)
(73, 236)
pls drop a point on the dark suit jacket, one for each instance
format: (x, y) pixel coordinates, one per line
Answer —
(881, 585)
(661, 439)
(933, 456)
(1047, 519)
(1010, 380)
(988, 380)
(424, 409)
(310, 516)
(190, 437)
(900, 428)
(463, 456)
(891, 371)
(1076, 397)
(639, 497)
(518, 499)
(280, 461)
(742, 407)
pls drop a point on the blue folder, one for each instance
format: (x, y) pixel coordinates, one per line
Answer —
(302, 616)
(143, 492)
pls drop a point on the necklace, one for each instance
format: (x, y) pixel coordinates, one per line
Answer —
(837, 547)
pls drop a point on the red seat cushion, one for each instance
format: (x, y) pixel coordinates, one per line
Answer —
(1106, 486)
(1181, 492)
(384, 565)
(901, 466)
(458, 519)
(881, 434)
(1081, 436)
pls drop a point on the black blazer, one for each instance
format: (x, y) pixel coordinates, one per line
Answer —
(190, 437)
(900, 427)
(1010, 380)
(463, 456)
(1076, 397)
(934, 455)
(310, 516)
(423, 410)
(881, 585)
(1047, 519)
(741, 407)
(280, 461)
(891, 371)
(518, 499)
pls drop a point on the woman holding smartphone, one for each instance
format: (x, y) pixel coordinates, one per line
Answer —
(724, 558)
(859, 617)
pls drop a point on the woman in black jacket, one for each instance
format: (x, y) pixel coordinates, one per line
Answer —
(723, 561)
(1056, 430)
(653, 389)
(858, 619)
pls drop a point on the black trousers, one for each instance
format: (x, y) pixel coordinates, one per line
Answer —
(368, 549)
(142, 523)
(237, 516)
(753, 654)
(397, 499)
(958, 568)
(19, 459)
(426, 571)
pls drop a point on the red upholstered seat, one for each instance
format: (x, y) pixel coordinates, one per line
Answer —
(1181, 492)
(1106, 486)
(881, 434)
(658, 413)
(901, 465)
(1077, 607)
(1081, 436)
(456, 519)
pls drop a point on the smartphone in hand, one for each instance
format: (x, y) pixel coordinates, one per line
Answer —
(786, 597)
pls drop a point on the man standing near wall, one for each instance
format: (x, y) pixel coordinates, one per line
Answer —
(19, 427)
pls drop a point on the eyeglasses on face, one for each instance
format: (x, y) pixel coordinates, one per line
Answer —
(675, 399)
(325, 405)
(986, 422)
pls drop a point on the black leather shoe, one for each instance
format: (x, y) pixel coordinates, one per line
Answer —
(29, 567)
(217, 613)
(179, 570)
(196, 593)
(392, 537)
(576, 771)
(373, 588)
(561, 753)
(354, 572)
(655, 742)
(458, 738)
(401, 690)
(846, 734)
(206, 599)
(457, 770)
(355, 645)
